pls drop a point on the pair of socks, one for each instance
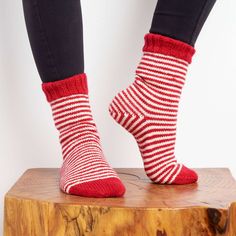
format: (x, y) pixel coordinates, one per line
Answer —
(147, 109)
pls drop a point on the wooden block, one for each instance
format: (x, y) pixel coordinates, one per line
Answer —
(35, 206)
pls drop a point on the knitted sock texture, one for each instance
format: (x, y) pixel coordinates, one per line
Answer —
(148, 107)
(85, 171)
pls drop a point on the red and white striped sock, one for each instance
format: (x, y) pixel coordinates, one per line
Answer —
(85, 171)
(148, 107)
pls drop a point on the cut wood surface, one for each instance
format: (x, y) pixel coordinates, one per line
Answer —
(35, 206)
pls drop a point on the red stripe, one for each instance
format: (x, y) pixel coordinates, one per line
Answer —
(159, 72)
(166, 58)
(140, 87)
(163, 62)
(143, 63)
(158, 87)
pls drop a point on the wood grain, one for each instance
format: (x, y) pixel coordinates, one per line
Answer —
(35, 206)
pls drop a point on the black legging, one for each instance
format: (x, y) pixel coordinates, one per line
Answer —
(181, 19)
(55, 31)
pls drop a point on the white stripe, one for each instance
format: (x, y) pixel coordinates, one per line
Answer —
(166, 56)
(77, 149)
(160, 139)
(73, 108)
(165, 166)
(69, 97)
(159, 61)
(148, 135)
(54, 105)
(76, 119)
(170, 153)
(91, 153)
(165, 78)
(147, 109)
(86, 169)
(159, 150)
(82, 129)
(85, 145)
(153, 95)
(158, 160)
(156, 145)
(170, 173)
(174, 177)
(162, 87)
(170, 125)
(156, 104)
(86, 138)
(160, 70)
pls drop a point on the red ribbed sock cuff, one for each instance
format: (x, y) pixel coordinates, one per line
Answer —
(68, 86)
(168, 46)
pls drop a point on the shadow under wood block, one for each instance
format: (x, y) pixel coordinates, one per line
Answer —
(35, 206)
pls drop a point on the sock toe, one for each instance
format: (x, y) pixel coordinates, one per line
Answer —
(186, 176)
(110, 187)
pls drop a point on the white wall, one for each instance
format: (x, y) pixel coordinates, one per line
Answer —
(113, 35)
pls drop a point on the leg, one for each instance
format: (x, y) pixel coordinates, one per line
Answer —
(180, 19)
(55, 33)
(148, 108)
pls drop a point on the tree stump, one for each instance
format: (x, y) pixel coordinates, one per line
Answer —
(35, 206)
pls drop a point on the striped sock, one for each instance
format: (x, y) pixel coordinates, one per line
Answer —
(85, 171)
(148, 107)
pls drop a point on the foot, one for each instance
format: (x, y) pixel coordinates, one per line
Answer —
(148, 108)
(85, 171)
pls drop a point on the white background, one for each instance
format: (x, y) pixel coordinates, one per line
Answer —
(113, 37)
